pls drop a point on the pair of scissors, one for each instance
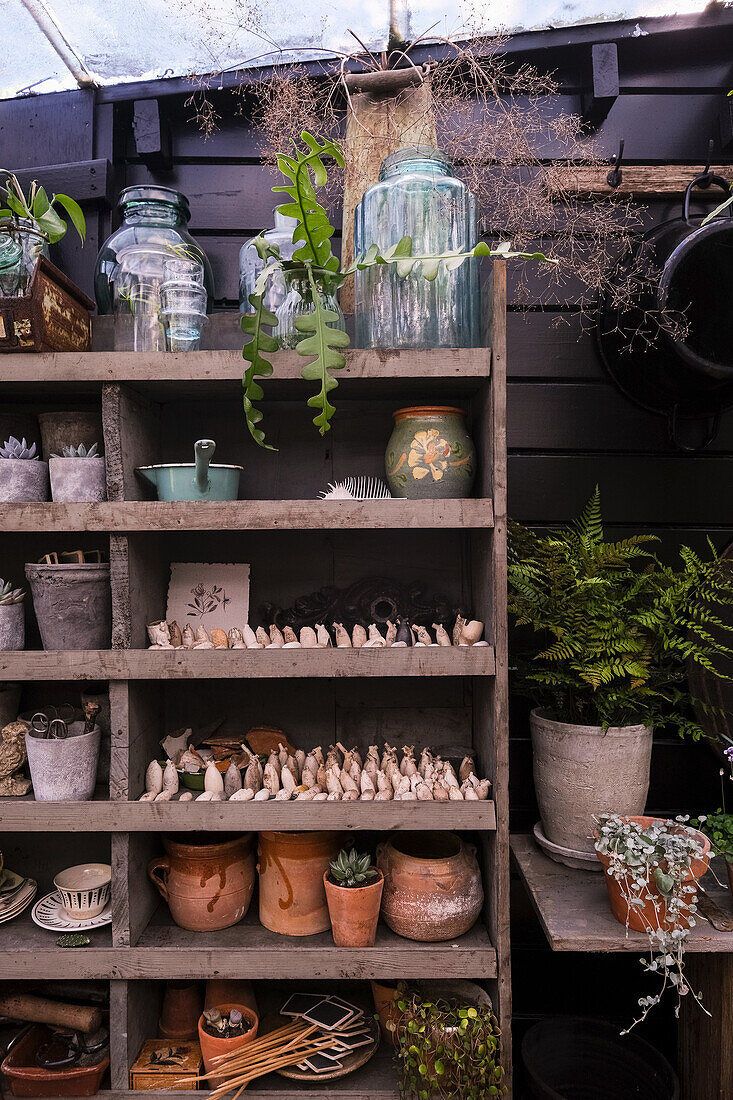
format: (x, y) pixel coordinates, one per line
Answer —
(46, 727)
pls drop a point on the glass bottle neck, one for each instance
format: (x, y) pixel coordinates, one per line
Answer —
(161, 213)
(417, 165)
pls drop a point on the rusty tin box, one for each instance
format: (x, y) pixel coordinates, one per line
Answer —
(53, 316)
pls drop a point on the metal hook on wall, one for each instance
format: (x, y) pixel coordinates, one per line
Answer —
(706, 178)
(615, 176)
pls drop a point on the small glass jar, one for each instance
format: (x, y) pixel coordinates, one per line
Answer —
(134, 262)
(11, 256)
(417, 196)
(251, 264)
(298, 302)
(430, 454)
(32, 244)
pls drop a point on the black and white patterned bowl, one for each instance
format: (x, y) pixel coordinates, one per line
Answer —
(85, 889)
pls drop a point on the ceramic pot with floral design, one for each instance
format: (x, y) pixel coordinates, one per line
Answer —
(430, 455)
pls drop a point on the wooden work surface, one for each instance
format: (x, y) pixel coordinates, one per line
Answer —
(574, 912)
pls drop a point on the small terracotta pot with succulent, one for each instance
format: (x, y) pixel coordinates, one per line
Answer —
(354, 896)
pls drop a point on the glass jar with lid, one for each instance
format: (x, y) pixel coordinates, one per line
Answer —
(417, 196)
(131, 265)
(251, 264)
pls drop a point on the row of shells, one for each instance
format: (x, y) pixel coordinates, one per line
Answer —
(165, 635)
(339, 776)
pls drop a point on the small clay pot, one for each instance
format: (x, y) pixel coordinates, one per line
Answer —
(238, 991)
(291, 868)
(206, 880)
(81, 480)
(183, 1003)
(385, 1002)
(212, 1047)
(432, 885)
(23, 480)
(12, 626)
(354, 911)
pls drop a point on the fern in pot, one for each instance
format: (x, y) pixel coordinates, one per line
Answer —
(613, 628)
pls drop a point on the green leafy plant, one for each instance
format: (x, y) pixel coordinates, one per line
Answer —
(447, 1049)
(718, 828)
(320, 341)
(38, 209)
(352, 868)
(10, 595)
(79, 451)
(615, 625)
(18, 448)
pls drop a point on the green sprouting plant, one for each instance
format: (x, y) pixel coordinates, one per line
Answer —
(447, 1049)
(18, 448)
(352, 868)
(615, 625)
(321, 342)
(79, 451)
(36, 207)
(718, 828)
(10, 595)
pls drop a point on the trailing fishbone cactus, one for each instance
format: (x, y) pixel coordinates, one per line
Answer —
(17, 448)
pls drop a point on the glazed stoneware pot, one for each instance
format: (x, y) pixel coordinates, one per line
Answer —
(581, 771)
(212, 1047)
(354, 911)
(292, 894)
(432, 885)
(206, 880)
(652, 914)
(430, 455)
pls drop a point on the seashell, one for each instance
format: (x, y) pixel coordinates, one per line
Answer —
(188, 637)
(288, 779)
(343, 641)
(308, 638)
(322, 797)
(284, 795)
(164, 796)
(408, 765)
(213, 779)
(408, 796)
(235, 638)
(158, 633)
(350, 796)
(403, 785)
(366, 783)
(232, 780)
(243, 795)
(205, 796)
(300, 760)
(202, 635)
(289, 635)
(441, 793)
(324, 638)
(455, 794)
(422, 634)
(371, 764)
(423, 792)
(467, 768)
(149, 796)
(384, 796)
(375, 636)
(187, 796)
(263, 638)
(358, 636)
(483, 788)
(472, 632)
(399, 645)
(449, 776)
(252, 777)
(347, 782)
(154, 777)
(276, 635)
(174, 635)
(263, 795)
(250, 638)
(282, 755)
(476, 644)
(367, 796)
(287, 645)
(203, 645)
(219, 638)
(404, 634)
(170, 777)
(271, 779)
(391, 634)
(458, 629)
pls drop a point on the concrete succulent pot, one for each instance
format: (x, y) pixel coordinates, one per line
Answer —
(78, 479)
(12, 626)
(23, 480)
(583, 771)
(73, 605)
(64, 769)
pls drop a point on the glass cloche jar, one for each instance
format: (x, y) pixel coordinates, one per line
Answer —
(132, 264)
(251, 264)
(419, 197)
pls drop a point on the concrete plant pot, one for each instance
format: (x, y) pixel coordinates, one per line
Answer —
(583, 771)
(64, 769)
(73, 605)
(69, 429)
(23, 479)
(78, 479)
(12, 626)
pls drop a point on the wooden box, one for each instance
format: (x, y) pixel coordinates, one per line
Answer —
(167, 1064)
(53, 316)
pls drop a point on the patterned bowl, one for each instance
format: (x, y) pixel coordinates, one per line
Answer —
(85, 889)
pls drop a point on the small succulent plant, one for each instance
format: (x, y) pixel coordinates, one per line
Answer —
(226, 1026)
(352, 868)
(10, 595)
(17, 448)
(79, 452)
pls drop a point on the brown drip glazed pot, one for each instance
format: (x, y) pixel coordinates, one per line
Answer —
(432, 885)
(207, 879)
(291, 868)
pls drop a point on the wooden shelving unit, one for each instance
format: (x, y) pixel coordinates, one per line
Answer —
(455, 699)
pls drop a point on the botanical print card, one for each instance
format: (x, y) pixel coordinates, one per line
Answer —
(206, 595)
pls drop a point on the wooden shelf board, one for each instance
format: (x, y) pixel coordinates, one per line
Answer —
(574, 912)
(25, 814)
(177, 664)
(248, 515)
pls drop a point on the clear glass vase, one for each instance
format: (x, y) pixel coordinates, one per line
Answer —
(250, 264)
(136, 260)
(20, 246)
(419, 197)
(11, 256)
(297, 302)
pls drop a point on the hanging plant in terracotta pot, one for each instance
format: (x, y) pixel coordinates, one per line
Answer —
(354, 895)
(614, 628)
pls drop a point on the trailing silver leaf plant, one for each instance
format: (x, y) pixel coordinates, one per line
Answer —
(322, 343)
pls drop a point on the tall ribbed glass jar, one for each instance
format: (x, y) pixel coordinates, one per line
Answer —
(419, 197)
(131, 265)
(250, 264)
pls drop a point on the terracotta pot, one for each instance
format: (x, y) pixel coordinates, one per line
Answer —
(291, 868)
(211, 1047)
(642, 918)
(183, 1003)
(387, 1010)
(432, 885)
(354, 911)
(583, 771)
(207, 881)
(224, 990)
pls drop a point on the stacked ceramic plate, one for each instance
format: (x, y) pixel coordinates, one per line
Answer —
(16, 894)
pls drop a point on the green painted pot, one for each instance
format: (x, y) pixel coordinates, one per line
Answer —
(430, 455)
